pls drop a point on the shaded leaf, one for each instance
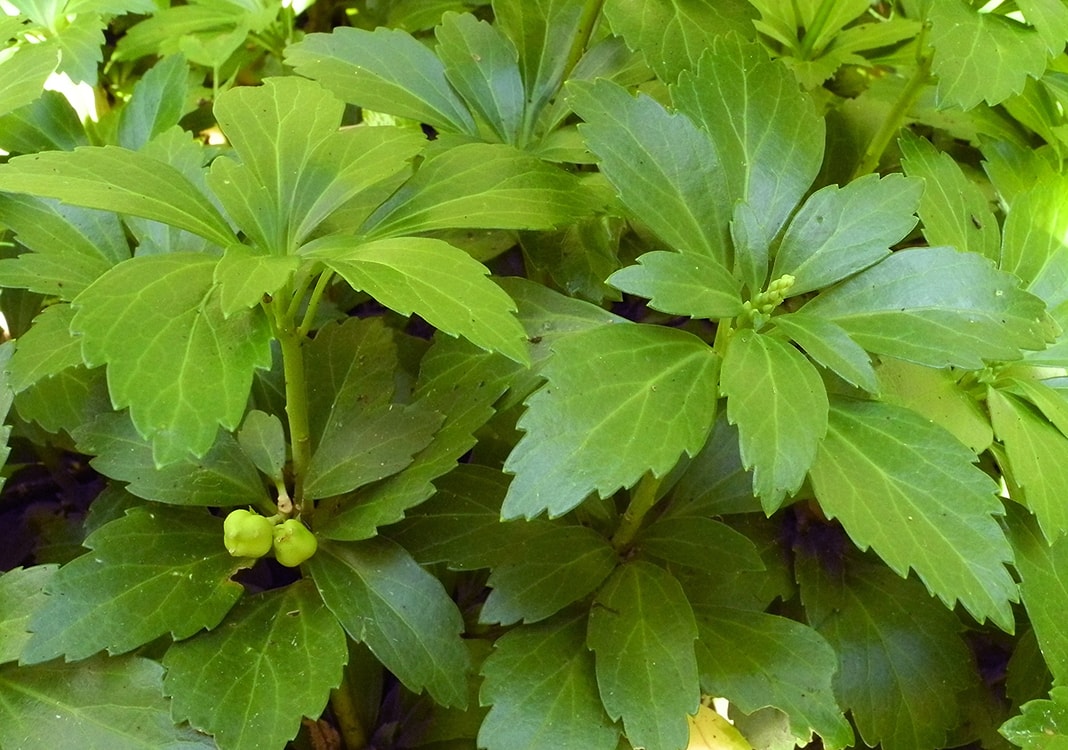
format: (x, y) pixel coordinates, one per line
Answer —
(263, 440)
(157, 103)
(681, 284)
(21, 595)
(246, 278)
(46, 349)
(24, 74)
(699, 543)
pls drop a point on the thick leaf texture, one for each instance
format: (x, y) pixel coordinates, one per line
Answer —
(1037, 464)
(905, 487)
(384, 599)
(667, 172)
(767, 135)
(386, 70)
(1010, 53)
(937, 307)
(248, 682)
(1033, 245)
(116, 179)
(224, 476)
(779, 402)
(699, 543)
(756, 660)
(21, 595)
(828, 344)
(46, 349)
(642, 632)
(840, 231)
(902, 662)
(1043, 569)
(546, 572)
(1042, 725)
(586, 433)
(681, 284)
(103, 703)
(157, 103)
(153, 572)
(541, 685)
(439, 282)
(482, 186)
(173, 358)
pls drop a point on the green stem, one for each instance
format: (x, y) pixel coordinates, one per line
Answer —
(642, 500)
(313, 302)
(586, 24)
(819, 21)
(297, 410)
(353, 734)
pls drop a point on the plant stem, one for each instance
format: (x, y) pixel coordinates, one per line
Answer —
(642, 500)
(586, 24)
(353, 734)
(816, 30)
(297, 410)
(313, 302)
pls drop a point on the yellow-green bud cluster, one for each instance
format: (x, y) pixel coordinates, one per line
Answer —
(248, 534)
(763, 304)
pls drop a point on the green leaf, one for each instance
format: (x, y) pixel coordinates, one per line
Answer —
(642, 631)
(1010, 53)
(263, 441)
(779, 402)
(767, 135)
(902, 661)
(50, 123)
(481, 64)
(157, 104)
(902, 485)
(681, 284)
(954, 209)
(578, 258)
(1043, 569)
(756, 660)
(115, 179)
(540, 683)
(699, 543)
(1050, 19)
(439, 282)
(545, 572)
(714, 482)
(386, 70)
(482, 186)
(46, 349)
(404, 615)
(65, 401)
(828, 344)
(937, 307)
(666, 171)
(1042, 725)
(1037, 458)
(100, 704)
(248, 682)
(224, 476)
(24, 73)
(155, 571)
(21, 595)
(586, 433)
(246, 277)
(173, 358)
(839, 231)
(1033, 244)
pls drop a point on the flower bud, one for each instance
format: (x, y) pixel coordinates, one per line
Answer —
(247, 534)
(293, 543)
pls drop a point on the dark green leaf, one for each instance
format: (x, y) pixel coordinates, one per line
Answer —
(21, 595)
(578, 258)
(173, 358)
(155, 571)
(249, 681)
(104, 703)
(587, 433)
(699, 543)
(540, 683)
(1043, 724)
(157, 103)
(902, 485)
(65, 401)
(642, 633)
(681, 284)
(404, 615)
(779, 402)
(263, 440)
(756, 660)
(715, 482)
(829, 344)
(937, 307)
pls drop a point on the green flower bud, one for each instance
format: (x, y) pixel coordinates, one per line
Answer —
(247, 534)
(293, 543)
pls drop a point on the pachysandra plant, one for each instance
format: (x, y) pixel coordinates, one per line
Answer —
(812, 462)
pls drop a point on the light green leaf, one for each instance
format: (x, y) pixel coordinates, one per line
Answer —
(902, 662)
(545, 572)
(954, 210)
(1047, 395)
(642, 633)
(104, 703)
(386, 70)
(439, 282)
(585, 432)
(666, 171)
(172, 28)
(173, 358)
(1042, 725)
(540, 683)
(404, 615)
(1050, 19)
(157, 104)
(937, 307)
(245, 277)
(21, 595)
(699, 543)
(981, 56)
(23, 75)
(249, 682)
(263, 440)
(1037, 457)
(903, 486)
(153, 572)
(839, 231)
(482, 186)
(828, 344)
(779, 402)
(1043, 569)
(481, 64)
(681, 284)
(755, 660)
(1034, 245)
(115, 179)
(46, 349)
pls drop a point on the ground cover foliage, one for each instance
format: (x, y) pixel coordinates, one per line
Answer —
(526, 374)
